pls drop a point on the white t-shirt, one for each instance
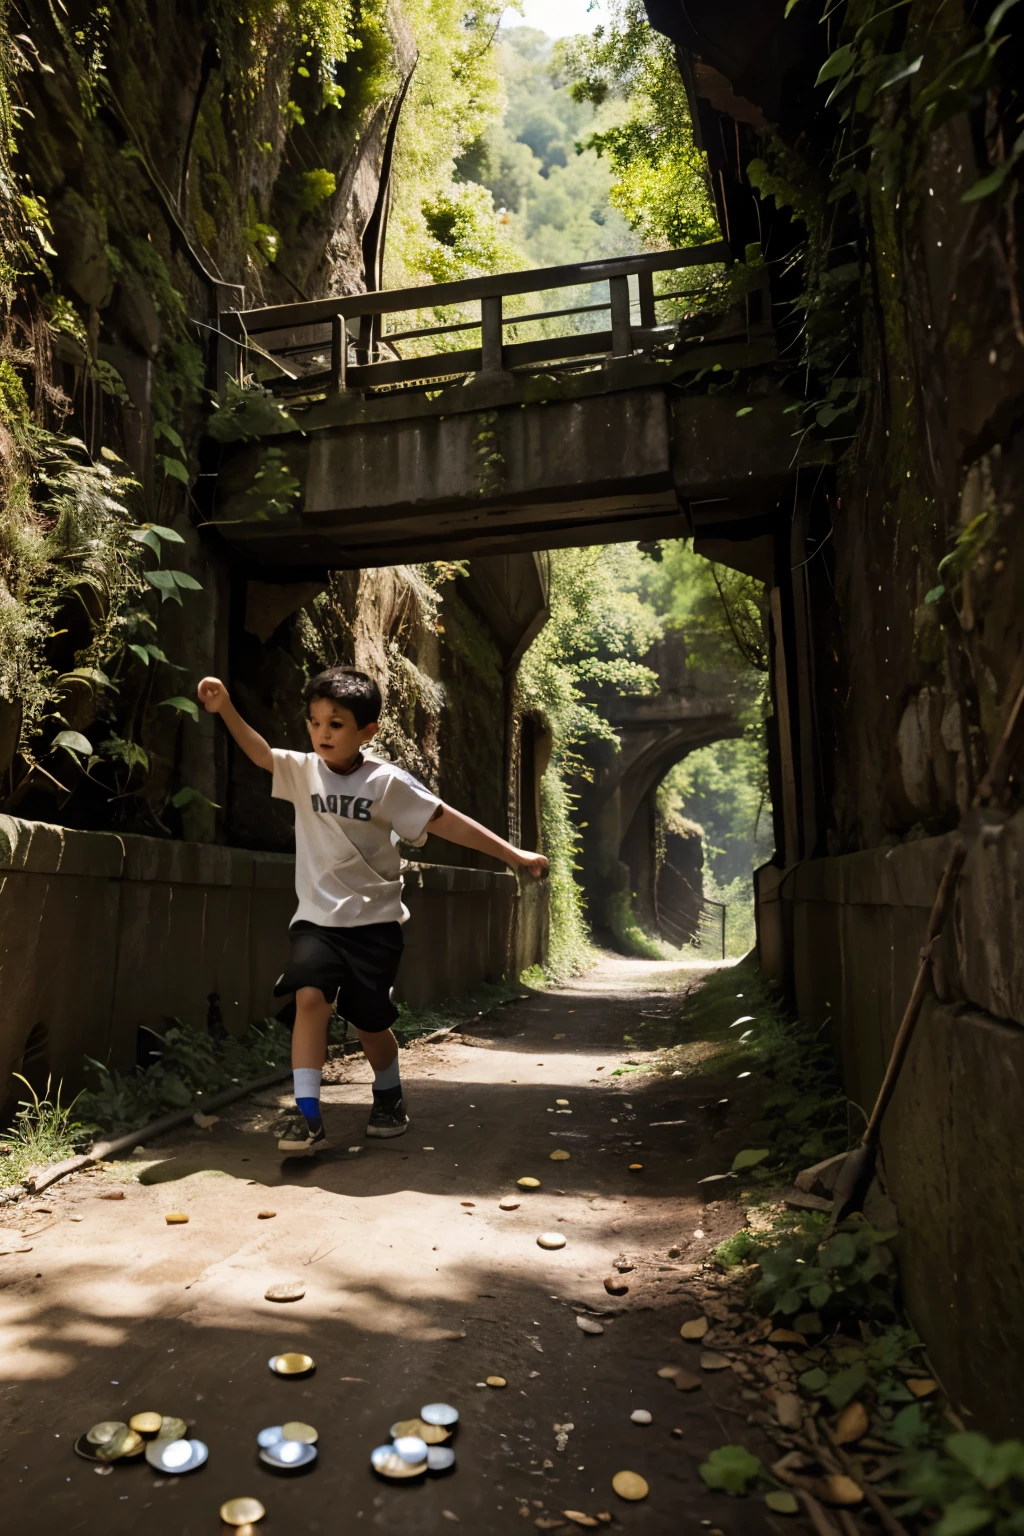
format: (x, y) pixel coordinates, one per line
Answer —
(347, 867)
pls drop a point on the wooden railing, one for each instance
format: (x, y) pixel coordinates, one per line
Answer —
(332, 345)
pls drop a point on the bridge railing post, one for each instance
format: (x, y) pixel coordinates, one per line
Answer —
(645, 288)
(339, 354)
(491, 334)
(622, 335)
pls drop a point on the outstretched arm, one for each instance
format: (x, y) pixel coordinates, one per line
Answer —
(456, 828)
(216, 700)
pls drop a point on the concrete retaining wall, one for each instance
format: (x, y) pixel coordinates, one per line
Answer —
(847, 932)
(101, 933)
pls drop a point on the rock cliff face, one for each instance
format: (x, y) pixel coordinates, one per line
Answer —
(182, 160)
(886, 204)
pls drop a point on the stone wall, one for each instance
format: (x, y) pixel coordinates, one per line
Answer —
(847, 932)
(100, 934)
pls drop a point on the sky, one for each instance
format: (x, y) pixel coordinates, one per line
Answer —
(558, 18)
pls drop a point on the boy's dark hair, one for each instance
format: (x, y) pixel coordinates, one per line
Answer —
(345, 685)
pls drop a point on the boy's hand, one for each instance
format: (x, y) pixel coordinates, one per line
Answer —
(535, 864)
(213, 695)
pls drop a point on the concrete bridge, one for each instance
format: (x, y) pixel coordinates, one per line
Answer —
(400, 449)
(690, 710)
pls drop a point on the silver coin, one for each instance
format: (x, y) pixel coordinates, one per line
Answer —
(174, 1456)
(268, 1437)
(289, 1454)
(411, 1448)
(440, 1458)
(440, 1413)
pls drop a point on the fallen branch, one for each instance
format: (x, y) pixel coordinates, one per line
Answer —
(887, 1519)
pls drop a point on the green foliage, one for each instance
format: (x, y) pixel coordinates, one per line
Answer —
(978, 1485)
(851, 1274)
(661, 178)
(622, 921)
(731, 1468)
(274, 490)
(191, 1063)
(43, 1132)
(244, 414)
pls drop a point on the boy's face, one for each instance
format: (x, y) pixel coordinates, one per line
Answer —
(334, 734)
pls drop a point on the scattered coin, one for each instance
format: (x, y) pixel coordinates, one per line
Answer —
(175, 1456)
(508, 1204)
(440, 1413)
(270, 1436)
(386, 1461)
(411, 1448)
(291, 1364)
(588, 1325)
(636, 1167)
(558, 1156)
(430, 1434)
(172, 1428)
(296, 1430)
(145, 1423)
(440, 1458)
(551, 1240)
(696, 1328)
(528, 1183)
(288, 1455)
(496, 1381)
(630, 1485)
(264, 1216)
(241, 1511)
(175, 1218)
(562, 1103)
(106, 1431)
(286, 1290)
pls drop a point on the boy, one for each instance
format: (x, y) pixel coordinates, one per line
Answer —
(346, 935)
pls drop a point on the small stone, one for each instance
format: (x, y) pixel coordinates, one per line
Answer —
(615, 1285)
(789, 1410)
(678, 1433)
(669, 1372)
(265, 1215)
(695, 1328)
(508, 1204)
(558, 1156)
(588, 1325)
(173, 1218)
(640, 1416)
(496, 1381)
(562, 1103)
(636, 1167)
(285, 1290)
(551, 1240)
(112, 1194)
(711, 1360)
(686, 1381)
(528, 1183)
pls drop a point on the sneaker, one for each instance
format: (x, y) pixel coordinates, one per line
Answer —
(299, 1139)
(387, 1118)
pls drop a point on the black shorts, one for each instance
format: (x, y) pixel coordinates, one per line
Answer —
(356, 966)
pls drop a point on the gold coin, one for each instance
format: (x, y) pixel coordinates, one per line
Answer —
(291, 1364)
(105, 1431)
(394, 1467)
(430, 1434)
(528, 1183)
(172, 1428)
(241, 1511)
(113, 1448)
(496, 1381)
(133, 1444)
(636, 1167)
(145, 1423)
(630, 1485)
(296, 1430)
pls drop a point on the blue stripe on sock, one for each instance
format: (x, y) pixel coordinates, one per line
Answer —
(309, 1109)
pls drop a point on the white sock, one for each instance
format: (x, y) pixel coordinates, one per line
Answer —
(307, 1091)
(387, 1077)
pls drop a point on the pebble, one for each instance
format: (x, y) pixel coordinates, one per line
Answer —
(528, 1183)
(695, 1328)
(286, 1290)
(710, 1360)
(640, 1416)
(630, 1485)
(173, 1218)
(496, 1381)
(551, 1240)
(265, 1215)
(559, 1156)
(588, 1325)
(508, 1204)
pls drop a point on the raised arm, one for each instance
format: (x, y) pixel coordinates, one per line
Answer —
(456, 828)
(216, 700)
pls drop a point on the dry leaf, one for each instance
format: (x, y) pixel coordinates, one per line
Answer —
(548, 1522)
(667, 1372)
(921, 1386)
(853, 1422)
(838, 1489)
(786, 1336)
(578, 1518)
(696, 1328)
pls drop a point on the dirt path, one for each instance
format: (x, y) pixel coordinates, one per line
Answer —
(400, 1246)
